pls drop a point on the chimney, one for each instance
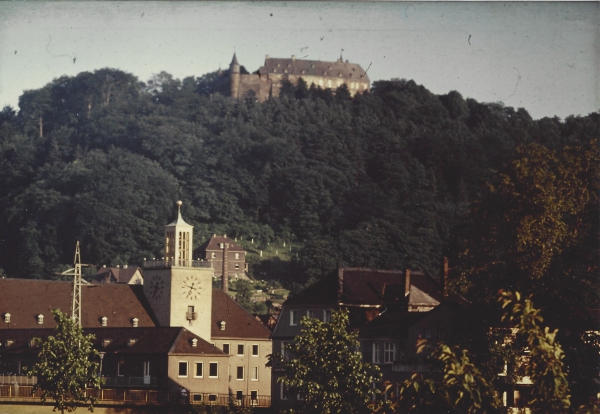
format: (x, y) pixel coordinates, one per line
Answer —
(445, 275)
(406, 282)
(225, 276)
(125, 266)
(266, 57)
(293, 57)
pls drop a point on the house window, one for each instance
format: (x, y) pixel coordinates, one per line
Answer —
(199, 372)
(327, 315)
(212, 398)
(427, 333)
(239, 395)
(237, 256)
(283, 391)
(285, 354)
(310, 313)
(213, 370)
(213, 255)
(293, 318)
(254, 373)
(254, 349)
(376, 353)
(197, 398)
(237, 266)
(146, 368)
(183, 369)
(226, 348)
(240, 372)
(240, 349)
(120, 368)
(389, 352)
(254, 397)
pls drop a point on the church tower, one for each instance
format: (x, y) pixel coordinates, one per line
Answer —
(234, 76)
(178, 288)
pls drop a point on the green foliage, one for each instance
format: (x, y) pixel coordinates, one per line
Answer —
(544, 365)
(326, 369)
(462, 388)
(380, 180)
(64, 369)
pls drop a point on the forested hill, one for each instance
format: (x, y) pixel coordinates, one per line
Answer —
(380, 180)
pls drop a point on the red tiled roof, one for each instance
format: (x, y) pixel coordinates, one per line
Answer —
(238, 322)
(24, 299)
(168, 340)
(214, 244)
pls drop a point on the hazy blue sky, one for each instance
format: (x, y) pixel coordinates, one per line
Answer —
(541, 56)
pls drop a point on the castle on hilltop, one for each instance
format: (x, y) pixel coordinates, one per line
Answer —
(267, 80)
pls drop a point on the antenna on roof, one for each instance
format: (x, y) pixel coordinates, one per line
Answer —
(77, 282)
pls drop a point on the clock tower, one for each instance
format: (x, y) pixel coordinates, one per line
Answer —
(178, 288)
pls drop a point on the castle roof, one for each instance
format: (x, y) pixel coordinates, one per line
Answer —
(299, 67)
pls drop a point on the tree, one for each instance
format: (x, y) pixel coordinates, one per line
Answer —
(464, 388)
(326, 368)
(64, 369)
(544, 366)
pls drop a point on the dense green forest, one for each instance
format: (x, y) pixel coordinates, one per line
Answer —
(386, 179)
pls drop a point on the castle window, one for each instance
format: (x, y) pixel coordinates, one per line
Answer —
(278, 65)
(285, 71)
(274, 70)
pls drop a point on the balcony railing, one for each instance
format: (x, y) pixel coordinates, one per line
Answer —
(409, 367)
(161, 264)
(17, 379)
(145, 381)
(124, 396)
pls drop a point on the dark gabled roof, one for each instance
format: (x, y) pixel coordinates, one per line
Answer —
(301, 67)
(115, 274)
(238, 322)
(369, 287)
(322, 292)
(215, 242)
(166, 341)
(24, 299)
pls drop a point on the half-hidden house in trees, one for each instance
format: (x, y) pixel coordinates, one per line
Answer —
(172, 331)
(266, 82)
(219, 247)
(131, 275)
(391, 309)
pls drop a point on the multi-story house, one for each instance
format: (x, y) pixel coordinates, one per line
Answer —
(390, 309)
(172, 331)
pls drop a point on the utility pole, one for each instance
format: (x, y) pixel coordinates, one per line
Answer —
(77, 282)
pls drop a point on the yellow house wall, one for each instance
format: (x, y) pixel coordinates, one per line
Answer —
(263, 385)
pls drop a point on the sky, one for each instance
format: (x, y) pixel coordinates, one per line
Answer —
(544, 57)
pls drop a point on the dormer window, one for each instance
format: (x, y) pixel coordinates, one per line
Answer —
(134, 322)
(131, 342)
(106, 342)
(40, 319)
(194, 342)
(278, 65)
(9, 342)
(222, 325)
(104, 321)
(7, 317)
(285, 71)
(32, 343)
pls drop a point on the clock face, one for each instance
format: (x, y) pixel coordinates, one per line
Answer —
(191, 287)
(157, 287)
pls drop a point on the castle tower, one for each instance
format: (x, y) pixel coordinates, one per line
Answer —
(234, 75)
(178, 288)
